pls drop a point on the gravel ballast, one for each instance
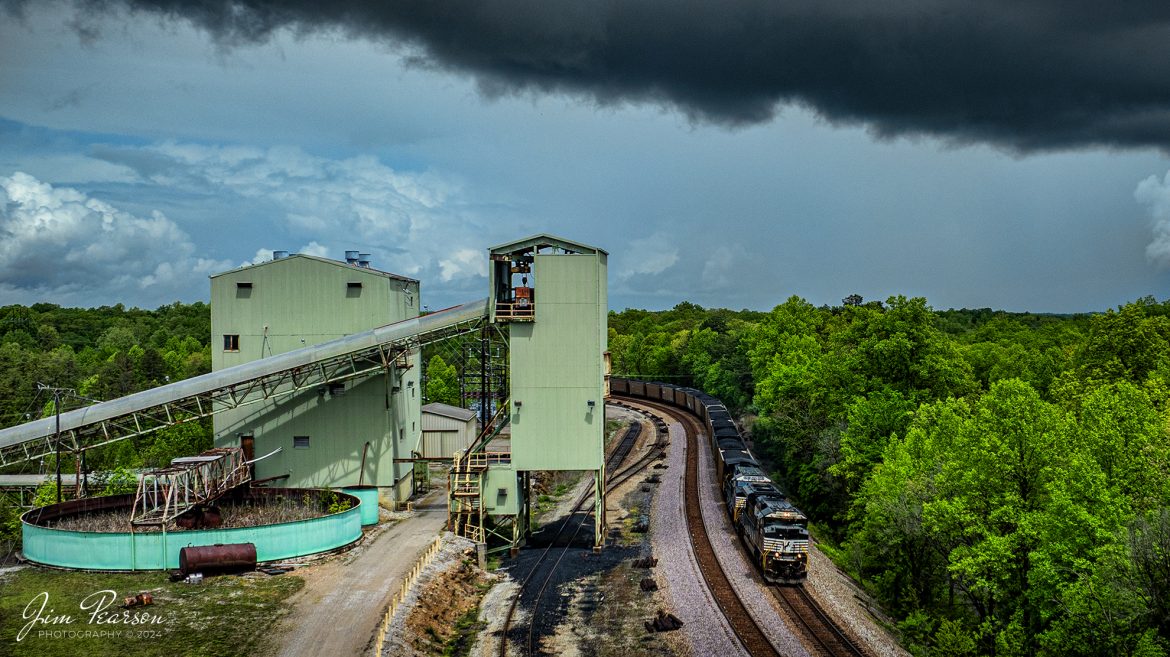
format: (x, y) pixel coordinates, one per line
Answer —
(678, 575)
(740, 572)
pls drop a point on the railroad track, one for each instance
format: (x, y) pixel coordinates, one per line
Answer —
(827, 636)
(742, 622)
(823, 632)
(613, 480)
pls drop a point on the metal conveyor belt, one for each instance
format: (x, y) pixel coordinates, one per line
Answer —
(357, 355)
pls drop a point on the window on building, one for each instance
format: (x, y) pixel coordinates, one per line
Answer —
(300, 442)
(353, 289)
(231, 342)
(243, 289)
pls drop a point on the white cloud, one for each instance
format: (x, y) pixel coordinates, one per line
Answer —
(411, 223)
(723, 267)
(463, 263)
(314, 249)
(57, 241)
(1155, 194)
(262, 255)
(648, 256)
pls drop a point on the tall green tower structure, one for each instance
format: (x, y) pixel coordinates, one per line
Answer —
(552, 293)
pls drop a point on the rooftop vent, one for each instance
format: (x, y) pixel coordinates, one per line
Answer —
(364, 260)
(351, 257)
(277, 255)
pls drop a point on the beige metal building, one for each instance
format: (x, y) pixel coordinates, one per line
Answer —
(338, 435)
(446, 429)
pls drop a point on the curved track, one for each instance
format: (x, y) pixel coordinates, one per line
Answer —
(617, 456)
(822, 631)
(754, 641)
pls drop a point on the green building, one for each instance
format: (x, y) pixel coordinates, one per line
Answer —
(551, 293)
(340, 435)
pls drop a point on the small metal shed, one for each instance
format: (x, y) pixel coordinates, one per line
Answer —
(446, 429)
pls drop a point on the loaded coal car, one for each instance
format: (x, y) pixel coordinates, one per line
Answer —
(637, 388)
(728, 460)
(653, 390)
(776, 534)
(774, 531)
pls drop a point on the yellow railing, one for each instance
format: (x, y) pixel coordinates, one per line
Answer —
(516, 312)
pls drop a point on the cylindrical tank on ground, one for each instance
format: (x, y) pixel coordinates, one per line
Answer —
(369, 505)
(231, 558)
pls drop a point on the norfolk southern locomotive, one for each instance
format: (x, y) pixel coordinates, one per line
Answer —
(774, 531)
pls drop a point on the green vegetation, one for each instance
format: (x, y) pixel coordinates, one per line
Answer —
(223, 616)
(467, 627)
(442, 384)
(1000, 481)
(99, 353)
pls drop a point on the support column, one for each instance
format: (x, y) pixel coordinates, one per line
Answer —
(599, 524)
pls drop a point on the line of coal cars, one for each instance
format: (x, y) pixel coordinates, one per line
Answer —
(774, 531)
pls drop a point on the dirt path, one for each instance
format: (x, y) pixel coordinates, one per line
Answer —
(341, 605)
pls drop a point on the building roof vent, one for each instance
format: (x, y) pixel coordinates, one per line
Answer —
(364, 260)
(351, 257)
(278, 255)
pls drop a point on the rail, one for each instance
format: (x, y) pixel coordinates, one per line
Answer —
(514, 311)
(615, 479)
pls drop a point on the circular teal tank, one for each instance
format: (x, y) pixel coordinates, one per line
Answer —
(369, 506)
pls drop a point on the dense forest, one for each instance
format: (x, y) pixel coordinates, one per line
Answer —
(96, 354)
(999, 481)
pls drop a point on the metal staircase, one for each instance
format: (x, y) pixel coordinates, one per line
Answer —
(465, 510)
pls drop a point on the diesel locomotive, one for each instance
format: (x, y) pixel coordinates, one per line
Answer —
(774, 531)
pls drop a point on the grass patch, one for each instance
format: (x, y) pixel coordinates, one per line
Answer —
(466, 628)
(228, 615)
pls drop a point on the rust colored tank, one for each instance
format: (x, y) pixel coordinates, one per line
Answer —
(207, 559)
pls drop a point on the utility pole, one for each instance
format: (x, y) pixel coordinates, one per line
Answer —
(57, 392)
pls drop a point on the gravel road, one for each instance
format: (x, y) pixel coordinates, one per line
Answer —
(343, 600)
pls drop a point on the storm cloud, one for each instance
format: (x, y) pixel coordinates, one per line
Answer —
(1022, 75)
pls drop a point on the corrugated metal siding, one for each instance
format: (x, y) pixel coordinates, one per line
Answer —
(444, 444)
(432, 422)
(296, 302)
(556, 368)
(501, 477)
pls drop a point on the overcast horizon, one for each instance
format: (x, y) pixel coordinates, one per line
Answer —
(729, 157)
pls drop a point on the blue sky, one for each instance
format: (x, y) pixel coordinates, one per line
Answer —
(141, 154)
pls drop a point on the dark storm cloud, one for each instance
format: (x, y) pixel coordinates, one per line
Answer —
(1023, 74)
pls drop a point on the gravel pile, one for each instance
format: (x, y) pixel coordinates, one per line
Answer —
(678, 575)
(742, 574)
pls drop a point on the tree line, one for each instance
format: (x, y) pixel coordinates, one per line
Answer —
(999, 481)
